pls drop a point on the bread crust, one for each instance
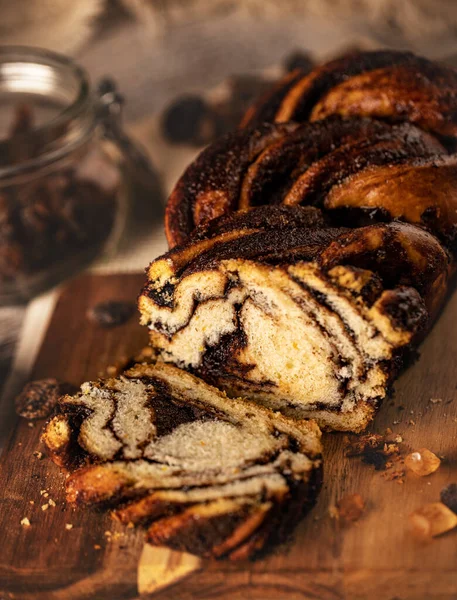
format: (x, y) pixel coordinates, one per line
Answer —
(259, 301)
(204, 474)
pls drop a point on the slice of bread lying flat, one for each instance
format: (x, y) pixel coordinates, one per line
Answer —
(203, 473)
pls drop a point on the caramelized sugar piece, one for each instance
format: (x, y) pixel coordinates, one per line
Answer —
(422, 462)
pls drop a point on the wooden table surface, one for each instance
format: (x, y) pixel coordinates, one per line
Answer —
(376, 557)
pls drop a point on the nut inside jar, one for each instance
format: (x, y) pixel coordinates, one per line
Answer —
(56, 219)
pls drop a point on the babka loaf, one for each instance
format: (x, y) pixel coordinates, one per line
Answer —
(355, 169)
(384, 84)
(310, 255)
(274, 305)
(204, 474)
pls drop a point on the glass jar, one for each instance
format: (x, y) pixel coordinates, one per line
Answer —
(63, 185)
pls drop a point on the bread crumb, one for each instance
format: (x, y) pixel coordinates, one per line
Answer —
(97, 547)
(30, 424)
(32, 502)
(45, 507)
(25, 522)
(51, 502)
(68, 526)
(38, 454)
(348, 509)
(435, 400)
(395, 476)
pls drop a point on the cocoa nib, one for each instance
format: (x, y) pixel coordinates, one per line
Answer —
(111, 313)
(39, 398)
(448, 496)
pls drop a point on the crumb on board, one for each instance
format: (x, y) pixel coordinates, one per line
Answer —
(349, 508)
(68, 526)
(37, 454)
(375, 449)
(25, 522)
(397, 476)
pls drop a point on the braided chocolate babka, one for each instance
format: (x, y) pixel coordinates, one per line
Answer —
(396, 86)
(312, 254)
(205, 474)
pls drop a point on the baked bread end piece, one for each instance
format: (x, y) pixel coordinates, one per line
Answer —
(203, 473)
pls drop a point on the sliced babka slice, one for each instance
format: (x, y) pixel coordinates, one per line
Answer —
(311, 321)
(204, 473)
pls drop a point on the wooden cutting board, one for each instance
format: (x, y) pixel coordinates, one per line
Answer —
(97, 559)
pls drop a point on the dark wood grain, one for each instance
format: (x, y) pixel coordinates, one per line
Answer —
(377, 557)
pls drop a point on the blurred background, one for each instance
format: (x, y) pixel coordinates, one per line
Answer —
(160, 48)
(181, 72)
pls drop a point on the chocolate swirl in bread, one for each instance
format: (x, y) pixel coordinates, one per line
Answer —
(312, 254)
(204, 474)
(275, 305)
